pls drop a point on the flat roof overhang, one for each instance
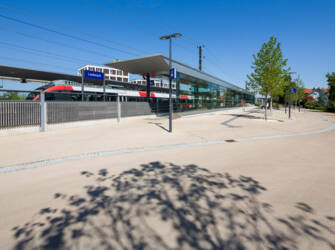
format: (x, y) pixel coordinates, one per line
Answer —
(31, 75)
(159, 65)
(142, 65)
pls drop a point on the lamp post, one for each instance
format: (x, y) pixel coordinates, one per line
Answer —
(169, 37)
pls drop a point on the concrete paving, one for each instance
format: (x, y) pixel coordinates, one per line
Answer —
(271, 193)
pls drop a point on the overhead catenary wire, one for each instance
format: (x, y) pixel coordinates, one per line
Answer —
(85, 33)
(57, 43)
(65, 35)
(130, 23)
(46, 53)
(185, 37)
(32, 62)
(45, 20)
(213, 60)
(162, 23)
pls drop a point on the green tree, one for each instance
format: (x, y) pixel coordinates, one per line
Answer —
(323, 99)
(268, 76)
(13, 96)
(331, 91)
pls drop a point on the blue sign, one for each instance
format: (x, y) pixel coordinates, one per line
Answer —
(152, 82)
(94, 75)
(173, 74)
(293, 91)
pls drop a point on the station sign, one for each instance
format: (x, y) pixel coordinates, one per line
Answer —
(94, 75)
(173, 73)
(293, 91)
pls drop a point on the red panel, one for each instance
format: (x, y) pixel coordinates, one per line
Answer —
(142, 94)
(152, 94)
(59, 87)
(36, 97)
(54, 88)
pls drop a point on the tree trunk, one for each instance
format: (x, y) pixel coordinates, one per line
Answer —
(285, 106)
(271, 104)
(266, 108)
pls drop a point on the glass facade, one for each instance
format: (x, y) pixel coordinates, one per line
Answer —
(194, 93)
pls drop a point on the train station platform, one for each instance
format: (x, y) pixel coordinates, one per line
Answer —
(149, 132)
(248, 183)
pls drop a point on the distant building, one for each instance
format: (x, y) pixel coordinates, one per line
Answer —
(315, 93)
(110, 73)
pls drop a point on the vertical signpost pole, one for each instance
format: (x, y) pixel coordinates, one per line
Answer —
(82, 85)
(104, 87)
(289, 107)
(170, 88)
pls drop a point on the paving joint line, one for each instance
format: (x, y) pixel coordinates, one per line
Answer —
(44, 163)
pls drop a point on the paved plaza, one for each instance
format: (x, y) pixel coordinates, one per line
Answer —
(225, 179)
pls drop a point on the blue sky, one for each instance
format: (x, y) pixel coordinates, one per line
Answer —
(230, 30)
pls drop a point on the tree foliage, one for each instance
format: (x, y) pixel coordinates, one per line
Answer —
(269, 70)
(13, 96)
(331, 91)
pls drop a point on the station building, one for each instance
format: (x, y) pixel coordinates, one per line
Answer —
(193, 88)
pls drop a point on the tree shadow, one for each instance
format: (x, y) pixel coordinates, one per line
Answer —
(237, 116)
(166, 206)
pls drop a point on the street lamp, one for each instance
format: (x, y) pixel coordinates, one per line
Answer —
(169, 37)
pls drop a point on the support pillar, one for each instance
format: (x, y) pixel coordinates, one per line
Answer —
(148, 85)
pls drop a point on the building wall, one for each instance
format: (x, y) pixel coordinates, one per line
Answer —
(157, 83)
(110, 73)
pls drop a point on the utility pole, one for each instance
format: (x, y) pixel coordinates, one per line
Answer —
(200, 56)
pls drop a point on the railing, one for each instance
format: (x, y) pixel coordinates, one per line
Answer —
(19, 114)
(40, 113)
(58, 112)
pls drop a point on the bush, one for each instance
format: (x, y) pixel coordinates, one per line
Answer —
(311, 105)
(322, 108)
(314, 105)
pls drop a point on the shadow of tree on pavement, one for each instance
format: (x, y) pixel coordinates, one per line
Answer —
(166, 206)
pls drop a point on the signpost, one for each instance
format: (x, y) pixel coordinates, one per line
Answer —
(173, 73)
(293, 91)
(92, 75)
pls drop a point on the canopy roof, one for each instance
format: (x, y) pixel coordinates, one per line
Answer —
(31, 75)
(159, 65)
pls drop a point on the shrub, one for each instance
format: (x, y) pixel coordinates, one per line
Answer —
(311, 105)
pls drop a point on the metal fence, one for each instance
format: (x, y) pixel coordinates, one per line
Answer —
(135, 109)
(19, 114)
(58, 112)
